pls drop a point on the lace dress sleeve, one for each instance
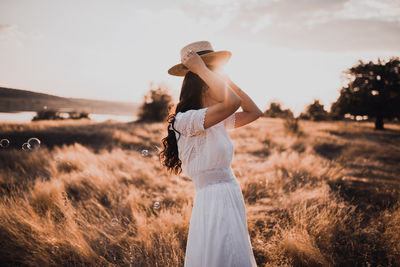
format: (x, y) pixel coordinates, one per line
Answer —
(230, 121)
(191, 122)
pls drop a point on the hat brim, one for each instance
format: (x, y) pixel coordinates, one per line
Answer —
(214, 59)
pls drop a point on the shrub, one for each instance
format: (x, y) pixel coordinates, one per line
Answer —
(52, 114)
(275, 111)
(47, 114)
(291, 125)
(315, 112)
(157, 104)
(78, 115)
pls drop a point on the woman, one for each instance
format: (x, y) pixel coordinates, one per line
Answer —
(198, 144)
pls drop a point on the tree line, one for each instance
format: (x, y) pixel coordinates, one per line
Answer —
(372, 91)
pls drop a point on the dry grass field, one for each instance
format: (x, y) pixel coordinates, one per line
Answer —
(325, 196)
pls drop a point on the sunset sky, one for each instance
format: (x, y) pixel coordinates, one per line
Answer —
(290, 51)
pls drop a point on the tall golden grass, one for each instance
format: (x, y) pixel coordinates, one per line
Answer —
(326, 197)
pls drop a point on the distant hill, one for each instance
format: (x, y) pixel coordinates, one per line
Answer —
(15, 100)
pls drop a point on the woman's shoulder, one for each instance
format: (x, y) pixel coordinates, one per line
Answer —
(190, 122)
(191, 113)
(191, 110)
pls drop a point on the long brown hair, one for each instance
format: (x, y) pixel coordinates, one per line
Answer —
(190, 98)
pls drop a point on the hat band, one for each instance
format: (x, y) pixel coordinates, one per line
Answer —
(204, 52)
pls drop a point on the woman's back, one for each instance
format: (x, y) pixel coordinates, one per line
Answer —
(203, 149)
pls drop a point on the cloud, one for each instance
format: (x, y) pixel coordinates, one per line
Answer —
(4, 27)
(338, 25)
(11, 33)
(294, 10)
(349, 35)
(329, 25)
(385, 10)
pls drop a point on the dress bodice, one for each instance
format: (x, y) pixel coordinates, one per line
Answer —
(202, 149)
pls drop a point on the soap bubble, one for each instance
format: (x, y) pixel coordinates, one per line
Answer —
(114, 221)
(86, 173)
(54, 250)
(26, 147)
(145, 153)
(58, 158)
(4, 143)
(34, 143)
(156, 205)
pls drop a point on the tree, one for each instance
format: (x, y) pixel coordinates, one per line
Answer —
(275, 111)
(53, 114)
(372, 89)
(315, 112)
(76, 115)
(156, 105)
(47, 114)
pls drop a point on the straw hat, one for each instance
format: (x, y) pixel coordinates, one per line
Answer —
(206, 52)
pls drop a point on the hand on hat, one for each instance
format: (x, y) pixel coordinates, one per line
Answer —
(193, 62)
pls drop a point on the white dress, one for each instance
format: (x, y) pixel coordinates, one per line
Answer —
(218, 234)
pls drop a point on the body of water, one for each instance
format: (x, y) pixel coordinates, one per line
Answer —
(104, 117)
(27, 116)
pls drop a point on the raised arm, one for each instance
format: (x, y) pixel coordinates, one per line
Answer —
(250, 110)
(228, 100)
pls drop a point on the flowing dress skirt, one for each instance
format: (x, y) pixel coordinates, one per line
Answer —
(218, 233)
